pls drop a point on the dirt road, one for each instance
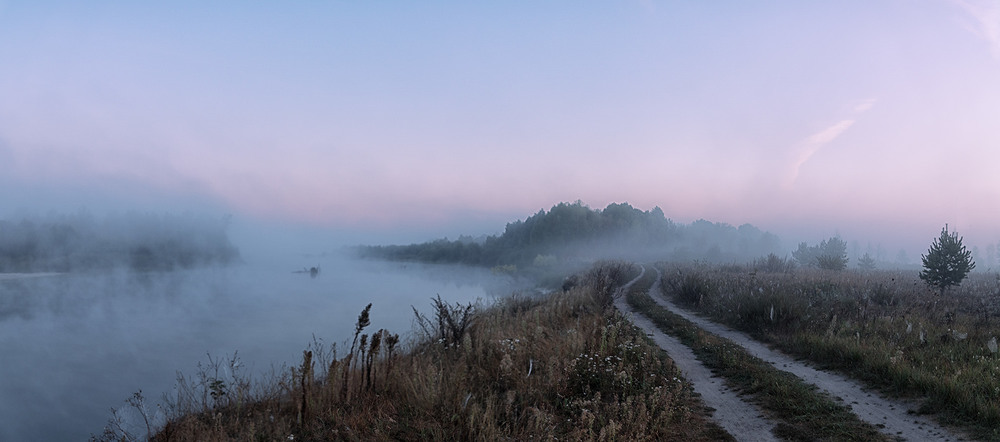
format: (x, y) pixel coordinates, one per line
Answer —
(741, 419)
(890, 416)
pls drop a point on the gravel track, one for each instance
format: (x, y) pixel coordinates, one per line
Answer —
(890, 416)
(739, 418)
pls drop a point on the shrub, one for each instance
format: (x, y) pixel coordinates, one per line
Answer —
(880, 327)
(450, 321)
(773, 264)
(830, 254)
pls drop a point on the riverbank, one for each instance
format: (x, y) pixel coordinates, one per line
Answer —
(567, 366)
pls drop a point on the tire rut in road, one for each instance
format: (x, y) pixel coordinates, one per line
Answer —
(741, 419)
(890, 416)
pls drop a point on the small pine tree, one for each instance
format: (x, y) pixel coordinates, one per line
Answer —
(805, 255)
(947, 262)
(832, 254)
(866, 262)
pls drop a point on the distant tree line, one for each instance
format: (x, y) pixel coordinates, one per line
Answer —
(574, 231)
(135, 241)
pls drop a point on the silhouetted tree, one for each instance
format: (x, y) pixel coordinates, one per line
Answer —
(139, 241)
(830, 254)
(947, 262)
(570, 231)
(866, 262)
(805, 255)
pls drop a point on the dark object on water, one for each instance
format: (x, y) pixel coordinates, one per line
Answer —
(312, 271)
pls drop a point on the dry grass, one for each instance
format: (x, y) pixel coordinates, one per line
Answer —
(802, 412)
(564, 367)
(885, 328)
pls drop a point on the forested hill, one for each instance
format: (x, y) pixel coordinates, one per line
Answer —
(577, 232)
(64, 243)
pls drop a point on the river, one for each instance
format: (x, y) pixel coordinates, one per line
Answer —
(73, 346)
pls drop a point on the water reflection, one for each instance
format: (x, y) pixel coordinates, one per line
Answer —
(72, 346)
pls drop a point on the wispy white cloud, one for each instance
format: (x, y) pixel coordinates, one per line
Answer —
(829, 134)
(865, 105)
(986, 13)
(812, 144)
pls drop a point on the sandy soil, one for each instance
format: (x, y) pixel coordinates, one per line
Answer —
(741, 419)
(889, 415)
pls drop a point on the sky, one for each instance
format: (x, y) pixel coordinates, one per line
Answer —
(878, 120)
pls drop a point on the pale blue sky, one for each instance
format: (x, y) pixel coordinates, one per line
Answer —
(876, 119)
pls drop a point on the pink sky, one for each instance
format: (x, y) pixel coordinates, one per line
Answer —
(878, 120)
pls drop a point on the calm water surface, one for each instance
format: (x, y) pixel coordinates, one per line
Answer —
(74, 346)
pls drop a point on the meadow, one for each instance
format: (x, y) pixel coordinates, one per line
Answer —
(800, 410)
(566, 366)
(885, 328)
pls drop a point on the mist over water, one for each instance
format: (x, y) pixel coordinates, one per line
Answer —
(136, 306)
(74, 345)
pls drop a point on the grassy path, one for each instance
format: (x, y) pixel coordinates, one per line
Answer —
(803, 412)
(738, 417)
(890, 416)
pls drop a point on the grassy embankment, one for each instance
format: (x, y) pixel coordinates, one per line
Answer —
(803, 412)
(885, 328)
(567, 367)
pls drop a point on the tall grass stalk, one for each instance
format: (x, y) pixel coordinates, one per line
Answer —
(885, 328)
(566, 366)
(804, 412)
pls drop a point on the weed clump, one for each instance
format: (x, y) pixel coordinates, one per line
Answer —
(563, 367)
(691, 288)
(885, 328)
(450, 321)
(805, 414)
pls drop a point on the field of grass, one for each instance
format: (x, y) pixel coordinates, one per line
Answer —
(885, 328)
(802, 412)
(565, 367)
